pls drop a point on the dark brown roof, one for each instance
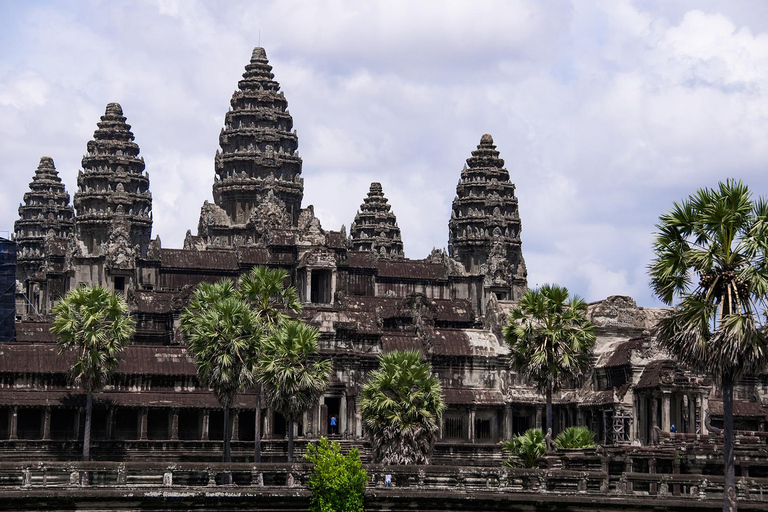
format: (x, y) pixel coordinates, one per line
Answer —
(136, 360)
(360, 259)
(395, 342)
(34, 332)
(193, 399)
(204, 260)
(409, 269)
(458, 310)
(621, 353)
(451, 342)
(597, 398)
(742, 408)
(656, 373)
(253, 255)
(454, 396)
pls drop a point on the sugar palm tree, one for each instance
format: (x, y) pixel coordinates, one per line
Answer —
(93, 323)
(265, 290)
(550, 339)
(402, 406)
(527, 448)
(710, 254)
(222, 335)
(291, 376)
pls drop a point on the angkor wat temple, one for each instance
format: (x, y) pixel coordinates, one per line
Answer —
(357, 288)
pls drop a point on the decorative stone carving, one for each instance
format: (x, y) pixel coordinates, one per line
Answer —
(375, 227)
(270, 213)
(311, 232)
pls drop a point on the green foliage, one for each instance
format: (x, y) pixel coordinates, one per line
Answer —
(264, 289)
(526, 449)
(575, 437)
(720, 237)
(550, 337)
(337, 481)
(402, 406)
(222, 334)
(92, 322)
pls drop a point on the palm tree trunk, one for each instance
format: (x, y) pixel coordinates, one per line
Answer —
(257, 430)
(290, 440)
(87, 430)
(227, 435)
(549, 407)
(729, 499)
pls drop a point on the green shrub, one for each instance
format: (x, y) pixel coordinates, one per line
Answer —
(526, 449)
(575, 437)
(337, 482)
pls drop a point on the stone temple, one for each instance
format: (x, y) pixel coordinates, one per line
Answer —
(358, 289)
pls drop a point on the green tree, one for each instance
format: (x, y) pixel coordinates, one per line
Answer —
(402, 407)
(222, 334)
(337, 481)
(526, 449)
(93, 323)
(710, 254)
(550, 339)
(291, 376)
(265, 290)
(575, 437)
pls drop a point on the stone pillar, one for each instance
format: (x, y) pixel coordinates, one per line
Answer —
(110, 423)
(323, 419)
(235, 425)
(143, 424)
(333, 298)
(691, 414)
(359, 422)
(351, 428)
(174, 424)
(666, 410)
(47, 424)
(308, 289)
(539, 416)
(13, 422)
(507, 422)
(204, 436)
(78, 413)
(269, 419)
(471, 426)
(343, 415)
(704, 412)
(654, 412)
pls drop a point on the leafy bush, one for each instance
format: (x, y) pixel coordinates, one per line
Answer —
(337, 481)
(575, 437)
(526, 449)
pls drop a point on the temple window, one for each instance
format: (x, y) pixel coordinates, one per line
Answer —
(321, 286)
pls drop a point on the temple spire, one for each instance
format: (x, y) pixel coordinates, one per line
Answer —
(375, 227)
(258, 169)
(484, 230)
(113, 187)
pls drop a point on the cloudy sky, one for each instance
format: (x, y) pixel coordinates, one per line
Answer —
(605, 111)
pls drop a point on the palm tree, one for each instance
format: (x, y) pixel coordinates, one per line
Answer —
(710, 253)
(528, 447)
(222, 335)
(550, 339)
(402, 407)
(264, 289)
(92, 322)
(291, 377)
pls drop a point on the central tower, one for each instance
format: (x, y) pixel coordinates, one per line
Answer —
(258, 170)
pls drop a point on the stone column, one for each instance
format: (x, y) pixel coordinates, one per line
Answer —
(78, 413)
(204, 436)
(539, 416)
(351, 428)
(704, 412)
(666, 410)
(308, 289)
(691, 414)
(507, 422)
(654, 412)
(471, 426)
(13, 423)
(143, 424)
(333, 294)
(359, 422)
(47, 424)
(269, 419)
(110, 423)
(174, 424)
(343, 415)
(235, 425)
(322, 419)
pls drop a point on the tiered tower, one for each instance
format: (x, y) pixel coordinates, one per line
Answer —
(484, 230)
(113, 187)
(46, 212)
(258, 162)
(375, 227)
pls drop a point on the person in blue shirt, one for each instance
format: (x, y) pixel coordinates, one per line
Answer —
(333, 425)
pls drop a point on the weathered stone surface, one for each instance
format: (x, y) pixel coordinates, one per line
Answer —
(375, 227)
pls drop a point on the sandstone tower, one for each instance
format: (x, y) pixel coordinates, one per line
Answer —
(484, 230)
(113, 189)
(258, 181)
(375, 227)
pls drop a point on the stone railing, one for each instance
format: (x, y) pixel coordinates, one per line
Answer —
(448, 480)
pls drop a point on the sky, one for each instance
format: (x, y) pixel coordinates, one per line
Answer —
(605, 112)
